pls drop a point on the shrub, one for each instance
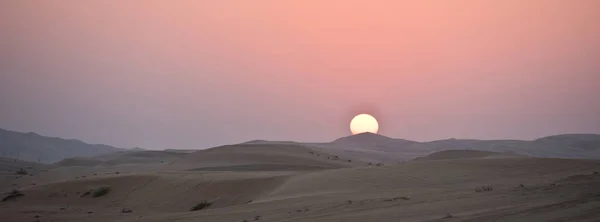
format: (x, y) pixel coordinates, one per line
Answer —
(12, 195)
(21, 172)
(101, 191)
(203, 204)
(86, 193)
(397, 198)
(484, 189)
(447, 216)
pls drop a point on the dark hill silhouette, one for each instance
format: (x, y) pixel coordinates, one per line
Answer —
(36, 148)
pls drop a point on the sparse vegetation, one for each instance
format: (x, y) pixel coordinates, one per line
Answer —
(101, 191)
(203, 204)
(256, 217)
(21, 172)
(12, 195)
(349, 201)
(397, 198)
(126, 210)
(484, 189)
(595, 172)
(86, 193)
(447, 216)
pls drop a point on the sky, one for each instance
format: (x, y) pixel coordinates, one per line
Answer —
(195, 74)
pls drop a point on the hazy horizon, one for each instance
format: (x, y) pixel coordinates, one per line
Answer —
(188, 75)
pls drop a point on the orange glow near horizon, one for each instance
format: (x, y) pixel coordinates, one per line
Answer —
(427, 69)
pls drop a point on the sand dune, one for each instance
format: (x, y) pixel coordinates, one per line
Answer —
(123, 157)
(286, 155)
(284, 181)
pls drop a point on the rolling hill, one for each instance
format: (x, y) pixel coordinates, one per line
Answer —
(382, 148)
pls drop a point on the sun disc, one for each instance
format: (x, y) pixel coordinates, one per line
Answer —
(364, 123)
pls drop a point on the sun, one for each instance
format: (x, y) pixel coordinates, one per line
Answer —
(364, 123)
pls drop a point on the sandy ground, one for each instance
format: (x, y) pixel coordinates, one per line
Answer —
(293, 183)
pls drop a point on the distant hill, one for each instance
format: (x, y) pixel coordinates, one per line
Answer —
(375, 141)
(33, 147)
(465, 154)
(378, 147)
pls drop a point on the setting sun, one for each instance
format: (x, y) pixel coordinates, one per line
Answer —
(363, 123)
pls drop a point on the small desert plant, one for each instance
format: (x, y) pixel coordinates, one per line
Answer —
(101, 191)
(203, 204)
(349, 161)
(397, 198)
(595, 172)
(12, 195)
(447, 216)
(484, 189)
(86, 193)
(21, 172)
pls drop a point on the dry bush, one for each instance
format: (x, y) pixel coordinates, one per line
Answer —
(101, 191)
(21, 172)
(484, 189)
(203, 204)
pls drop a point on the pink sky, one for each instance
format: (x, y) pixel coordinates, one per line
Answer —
(193, 74)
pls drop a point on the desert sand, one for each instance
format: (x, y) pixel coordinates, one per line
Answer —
(285, 181)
